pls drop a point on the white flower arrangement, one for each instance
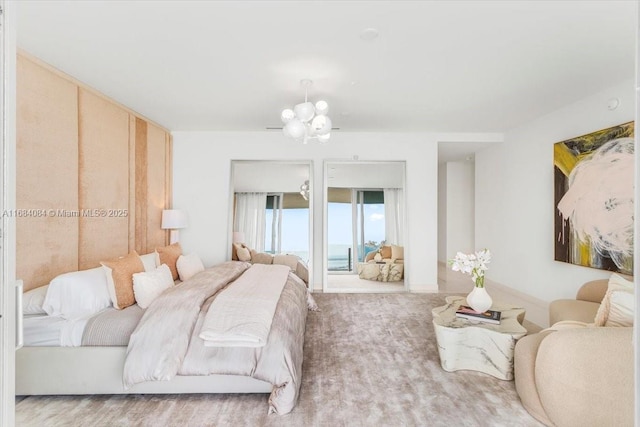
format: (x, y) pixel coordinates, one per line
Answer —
(474, 264)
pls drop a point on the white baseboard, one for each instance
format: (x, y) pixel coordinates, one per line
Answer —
(537, 309)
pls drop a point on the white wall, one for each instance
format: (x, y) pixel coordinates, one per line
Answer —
(456, 209)
(201, 186)
(460, 208)
(442, 212)
(514, 196)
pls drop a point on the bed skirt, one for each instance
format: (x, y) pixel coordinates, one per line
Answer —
(98, 370)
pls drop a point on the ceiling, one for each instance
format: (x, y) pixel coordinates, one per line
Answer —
(454, 66)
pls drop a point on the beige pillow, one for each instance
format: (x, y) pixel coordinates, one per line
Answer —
(234, 250)
(169, 255)
(261, 257)
(616, 307)
(397, 252)
(119, 274)
(188, 266)
(243, 254)
(385, 251)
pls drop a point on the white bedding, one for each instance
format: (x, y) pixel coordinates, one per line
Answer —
(53, 331)
(241, 315)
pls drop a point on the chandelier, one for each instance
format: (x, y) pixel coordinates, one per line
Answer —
(307, 121)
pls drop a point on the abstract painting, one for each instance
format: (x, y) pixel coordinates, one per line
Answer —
(593, 199)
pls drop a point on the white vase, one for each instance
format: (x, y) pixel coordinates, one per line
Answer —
(479, 299)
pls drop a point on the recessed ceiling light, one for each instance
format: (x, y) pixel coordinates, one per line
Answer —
(369, 34)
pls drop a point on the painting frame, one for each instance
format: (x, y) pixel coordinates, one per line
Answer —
(594, 200)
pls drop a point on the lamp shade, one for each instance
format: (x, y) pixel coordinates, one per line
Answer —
(238, 237)
(295, 128)
(287, 115)
(321, 125)
(173, 219)
(304, 111)
(322, 108)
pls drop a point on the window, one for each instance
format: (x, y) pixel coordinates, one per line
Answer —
(356, 226)
(287, 225)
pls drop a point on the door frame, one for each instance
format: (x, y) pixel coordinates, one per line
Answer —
(7, 203)
(325, 213)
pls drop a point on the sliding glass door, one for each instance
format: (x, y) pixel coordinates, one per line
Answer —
(340, 230)
(286, 215)
(370, 221)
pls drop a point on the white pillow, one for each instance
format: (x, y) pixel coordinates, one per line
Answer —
(149, 285)
(32, 300)
(150, 261)
(621, 309)
(615, 304)
(77, 294)
(189, 265)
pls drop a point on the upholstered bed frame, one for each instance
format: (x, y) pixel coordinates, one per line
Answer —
(98, 370)
(125, 167)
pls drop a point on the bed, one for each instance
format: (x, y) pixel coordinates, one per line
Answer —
(159, 349)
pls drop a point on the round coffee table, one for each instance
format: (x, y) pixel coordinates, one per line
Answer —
(484, 347)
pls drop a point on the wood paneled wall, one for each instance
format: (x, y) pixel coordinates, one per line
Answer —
(92, 176)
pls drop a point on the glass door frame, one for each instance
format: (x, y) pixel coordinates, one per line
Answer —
(325, 215)
(277, 165)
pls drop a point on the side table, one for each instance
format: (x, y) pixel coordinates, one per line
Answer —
(483, 347)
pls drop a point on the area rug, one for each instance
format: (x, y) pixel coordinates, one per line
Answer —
(370, 360)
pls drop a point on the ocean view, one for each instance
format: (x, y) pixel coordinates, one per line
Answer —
(338, 259)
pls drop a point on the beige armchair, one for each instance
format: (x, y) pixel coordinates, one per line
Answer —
(577, 376)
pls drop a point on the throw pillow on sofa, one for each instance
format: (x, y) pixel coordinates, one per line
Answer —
(617, 306)
(397, 252)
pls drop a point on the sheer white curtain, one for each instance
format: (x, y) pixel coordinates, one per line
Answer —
(250, 218)
(393, 217)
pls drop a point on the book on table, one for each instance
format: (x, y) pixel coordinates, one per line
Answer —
(489, 316)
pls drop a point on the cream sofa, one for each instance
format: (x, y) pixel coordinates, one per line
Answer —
(391, 271)
(577, 375)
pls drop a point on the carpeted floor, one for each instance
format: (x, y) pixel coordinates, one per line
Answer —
(370, 360)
